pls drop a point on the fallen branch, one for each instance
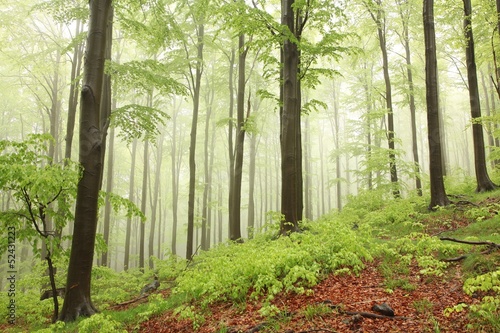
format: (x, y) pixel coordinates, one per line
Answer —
(491, 247)
(470, 242)
(132, 300)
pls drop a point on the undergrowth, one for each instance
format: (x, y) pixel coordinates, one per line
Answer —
(370, 226)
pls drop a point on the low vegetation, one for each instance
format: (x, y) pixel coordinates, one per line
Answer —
(271, 284)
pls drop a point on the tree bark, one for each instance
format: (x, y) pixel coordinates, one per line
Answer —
(235, 216)
(438, 193)
(77, 300)
(291, 181)
(484, 183)
(196, 83)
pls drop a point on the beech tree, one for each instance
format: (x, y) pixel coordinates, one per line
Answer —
(438, 193)
(77, 301)
(482, 178)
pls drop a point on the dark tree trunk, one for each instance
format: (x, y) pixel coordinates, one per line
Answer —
(235, 217)
(438, 193)
(484, 183)
(291, 181)
(196, 84)
(77, 300)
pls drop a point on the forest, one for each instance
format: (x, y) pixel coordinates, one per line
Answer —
(250, 166)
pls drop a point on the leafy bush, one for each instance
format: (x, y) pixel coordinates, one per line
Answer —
(100, 323)
(294, 263)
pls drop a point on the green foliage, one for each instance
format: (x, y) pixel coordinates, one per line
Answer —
(292, 263)
(42, 190)
(487, 312)
(137, 121)
(316, 310)
(100, 323)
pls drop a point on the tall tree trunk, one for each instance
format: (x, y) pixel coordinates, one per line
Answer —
(175, 173)
(291, 182)
(106, 105)
(231, 150)
(196, 84)
(77, 300)
(438, 193)
(405, 16)
(145, 172)
(484, 183)
(336, 135)
(156, 199)
(489, 126)
(76, 65)
(235, 215)
(379, 18)
(251, 185)
(107, 207)
(205, 231)
(307, 163)
(128, 232)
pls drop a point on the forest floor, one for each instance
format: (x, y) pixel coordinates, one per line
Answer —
(419, 310)
(343, 303)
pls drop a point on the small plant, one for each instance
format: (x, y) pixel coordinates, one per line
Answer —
(100, 323)
(423, 306)
(316, 310)
(404, 284)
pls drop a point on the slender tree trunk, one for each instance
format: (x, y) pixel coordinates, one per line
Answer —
(411, 95)
(106, 104)
(438, 193)
(307, 163)
(128, 232)
(484, 183)
(107, 207)
(251, 185)
(145, 172)
(336, 135)
(235, 217)
(175, 161)
(156, 199)
(205, 231)
(76, 65)
(77, 300)
(379, 19)
(231, 150)
(196, 82)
